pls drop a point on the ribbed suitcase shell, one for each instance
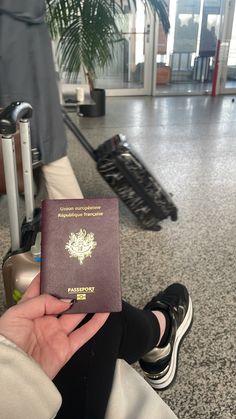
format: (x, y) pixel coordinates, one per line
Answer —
(129, 178)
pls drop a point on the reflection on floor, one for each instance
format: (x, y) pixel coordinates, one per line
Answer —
(184, 88)
(173, 88)
(170, 88)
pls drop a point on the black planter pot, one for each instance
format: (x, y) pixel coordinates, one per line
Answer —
(99, 108)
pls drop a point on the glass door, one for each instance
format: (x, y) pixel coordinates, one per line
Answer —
(227, 55)
(130, 71)
(198, 56)
(185, 58)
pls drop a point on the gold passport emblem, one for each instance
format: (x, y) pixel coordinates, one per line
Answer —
(81, 245)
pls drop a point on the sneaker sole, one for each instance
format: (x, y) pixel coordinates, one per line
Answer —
(164, 382)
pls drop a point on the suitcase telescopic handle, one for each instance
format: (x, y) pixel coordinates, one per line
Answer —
(22, 112)
(12, 114)
(78, 134)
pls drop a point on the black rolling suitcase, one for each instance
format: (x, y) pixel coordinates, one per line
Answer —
(22, 261)
(129, 179)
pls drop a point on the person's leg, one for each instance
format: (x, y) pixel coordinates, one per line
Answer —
(130, 334)
(85, 382)
(60, 180)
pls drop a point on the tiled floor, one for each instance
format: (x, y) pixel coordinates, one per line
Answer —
(189, 145)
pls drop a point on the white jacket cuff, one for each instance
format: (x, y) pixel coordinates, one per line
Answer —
(26, 391)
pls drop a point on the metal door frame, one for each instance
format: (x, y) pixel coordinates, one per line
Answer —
(225, 38)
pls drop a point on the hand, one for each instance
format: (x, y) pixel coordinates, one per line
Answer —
(33, 326)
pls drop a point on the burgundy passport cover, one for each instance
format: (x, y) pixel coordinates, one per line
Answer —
(80, 253)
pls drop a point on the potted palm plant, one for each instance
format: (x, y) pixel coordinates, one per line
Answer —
(86, 32)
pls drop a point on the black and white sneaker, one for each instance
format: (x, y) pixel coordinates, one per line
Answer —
(160, 364)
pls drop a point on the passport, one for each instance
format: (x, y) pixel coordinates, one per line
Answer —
(80, 253)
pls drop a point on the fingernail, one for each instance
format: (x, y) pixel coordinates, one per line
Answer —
(67, 300)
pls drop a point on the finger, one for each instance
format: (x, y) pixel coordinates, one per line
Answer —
(80, 336)
(40, 306)
(70, 321)
(33, 290)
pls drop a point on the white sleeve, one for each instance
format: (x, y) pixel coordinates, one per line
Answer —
(133, 398)
(26, 392)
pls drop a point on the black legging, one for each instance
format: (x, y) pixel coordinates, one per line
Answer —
(85, 382)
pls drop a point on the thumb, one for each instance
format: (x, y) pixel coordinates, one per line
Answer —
(33, 290)
(40, 306)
